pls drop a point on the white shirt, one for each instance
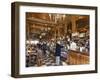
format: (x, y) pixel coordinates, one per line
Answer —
(82, 48)
(73, 46)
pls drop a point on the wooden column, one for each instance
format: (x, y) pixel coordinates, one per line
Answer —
(73, 20)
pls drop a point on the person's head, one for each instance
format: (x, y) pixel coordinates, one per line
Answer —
(58, 42)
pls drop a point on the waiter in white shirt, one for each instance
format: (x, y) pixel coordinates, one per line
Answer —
(73, 46)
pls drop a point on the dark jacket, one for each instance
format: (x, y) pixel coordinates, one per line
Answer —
(58, 50)
(44, 46)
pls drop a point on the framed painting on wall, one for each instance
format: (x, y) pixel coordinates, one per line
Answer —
(53, 39)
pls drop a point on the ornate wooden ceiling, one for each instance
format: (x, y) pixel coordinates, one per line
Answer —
(55, 24)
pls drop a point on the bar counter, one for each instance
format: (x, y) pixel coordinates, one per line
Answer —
(77, 57)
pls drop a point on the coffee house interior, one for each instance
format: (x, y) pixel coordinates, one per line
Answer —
(44, 30)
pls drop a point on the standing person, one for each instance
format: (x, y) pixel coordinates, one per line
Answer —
(82, 47)
(87, 46)
(39, 57)
(73, 45)
(58, 53)
(39, 45)
(44, 48)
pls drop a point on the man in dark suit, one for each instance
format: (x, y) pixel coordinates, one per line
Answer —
(58, 52)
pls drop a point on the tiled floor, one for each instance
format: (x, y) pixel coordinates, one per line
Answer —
(47, 60)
